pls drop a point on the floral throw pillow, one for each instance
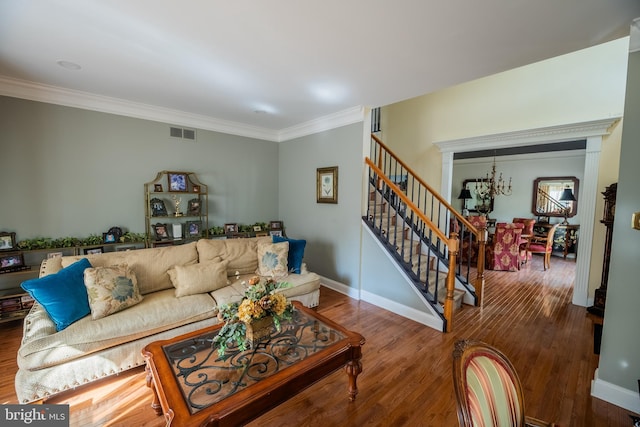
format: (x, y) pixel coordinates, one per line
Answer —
(272, 259)
(111, 289)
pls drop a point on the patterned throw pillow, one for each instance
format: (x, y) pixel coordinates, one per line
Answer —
(111, 289)
(272, 259)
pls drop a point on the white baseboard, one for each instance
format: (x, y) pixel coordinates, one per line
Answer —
(340, 287)
(616, 395)
(403, 310)
(384, 303)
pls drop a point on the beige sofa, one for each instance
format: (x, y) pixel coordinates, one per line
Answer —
(51, 362)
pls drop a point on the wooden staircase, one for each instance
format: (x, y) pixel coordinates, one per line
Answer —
(414, 258)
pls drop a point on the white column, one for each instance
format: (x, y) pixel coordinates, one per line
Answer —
(587, 206)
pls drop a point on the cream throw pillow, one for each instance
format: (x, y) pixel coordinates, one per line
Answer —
(111, 289)
(272, 259)
(198, 278)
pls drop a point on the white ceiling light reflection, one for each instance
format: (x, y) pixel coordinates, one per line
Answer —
(263, 109)
(327, 92)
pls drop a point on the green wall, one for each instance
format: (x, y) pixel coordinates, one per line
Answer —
(620, 354)
(74, 172)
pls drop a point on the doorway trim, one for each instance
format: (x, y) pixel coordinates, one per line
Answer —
(591, 131)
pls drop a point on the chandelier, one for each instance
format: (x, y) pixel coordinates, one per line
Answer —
(489, 187)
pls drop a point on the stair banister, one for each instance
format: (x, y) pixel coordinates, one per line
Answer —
(481, 235)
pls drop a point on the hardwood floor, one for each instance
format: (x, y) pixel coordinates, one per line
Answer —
(407, 378)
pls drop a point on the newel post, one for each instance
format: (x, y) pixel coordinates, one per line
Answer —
(453, 246)
(482, 246)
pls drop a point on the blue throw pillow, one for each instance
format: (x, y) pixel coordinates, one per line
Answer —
(63, 294)
(296, 252)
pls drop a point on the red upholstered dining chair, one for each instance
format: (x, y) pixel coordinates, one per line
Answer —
(469, 246)
(504, 252)
(543, 245)
(488, 390)
(526, 235)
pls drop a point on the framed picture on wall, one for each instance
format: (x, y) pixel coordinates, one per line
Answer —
(327, 185)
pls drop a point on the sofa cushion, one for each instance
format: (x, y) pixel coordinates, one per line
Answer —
(62, 295)
(111, 289)
(242, 254)
(296, 252)
(159, 311)
(272, 259)
(199, 278)
(150, 265)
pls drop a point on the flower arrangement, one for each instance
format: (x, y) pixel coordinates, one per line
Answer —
(260, 300)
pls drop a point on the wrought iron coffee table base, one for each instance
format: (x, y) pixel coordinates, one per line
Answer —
(193, 385)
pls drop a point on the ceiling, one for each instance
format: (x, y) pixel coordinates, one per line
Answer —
(270, 66)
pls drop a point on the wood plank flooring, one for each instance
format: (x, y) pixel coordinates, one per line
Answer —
(407, 378)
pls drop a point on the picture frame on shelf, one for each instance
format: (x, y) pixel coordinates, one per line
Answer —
(193, 207)
(194, 228)
(231, 228)
(158, 207)
(12, 262)
(8, 241)
(161, 232)
(177, 182)
(257, 228)
(93, 251)
(196, 188)
(157, 188)
(327, 185)
(275, 225)
(54, 255)
(275, 233)
(176, 231)
(125, 248)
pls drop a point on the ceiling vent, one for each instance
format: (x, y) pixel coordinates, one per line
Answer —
(181, 133)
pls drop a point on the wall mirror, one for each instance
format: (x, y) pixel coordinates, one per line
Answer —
(477, 204)
(550, 197)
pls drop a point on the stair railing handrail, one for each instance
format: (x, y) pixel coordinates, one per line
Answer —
(469, 229)
(452, 242)
(433, 192)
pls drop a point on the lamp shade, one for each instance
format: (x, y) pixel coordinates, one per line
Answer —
(567, 195)
(465, 194)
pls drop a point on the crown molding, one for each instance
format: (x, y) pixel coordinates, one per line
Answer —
(78, 99)
(546, 135)
(321, 124)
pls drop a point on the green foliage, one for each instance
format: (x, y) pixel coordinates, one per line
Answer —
(257, 294)
(70, 242)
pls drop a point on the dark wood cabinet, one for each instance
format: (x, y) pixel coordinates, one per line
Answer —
(600, 295)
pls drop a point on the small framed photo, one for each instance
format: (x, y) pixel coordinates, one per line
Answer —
(54, 255)
(93, 251)
(193, 207)
(327, 185)
(275, 225)
(160, 231)
(157, 188)
(177, 182)
(8, 241)
(157, 207)
(231, 228)
(196, 188)
(275, 233)
(257, 228)
(125, 248)
(176, 231)
(194, 228)
(12, 262)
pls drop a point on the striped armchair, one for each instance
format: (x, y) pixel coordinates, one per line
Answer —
(488, 390)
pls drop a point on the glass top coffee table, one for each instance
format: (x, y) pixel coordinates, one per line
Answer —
(194, 385)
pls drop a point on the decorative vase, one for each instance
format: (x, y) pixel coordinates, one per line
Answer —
(258, 329)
